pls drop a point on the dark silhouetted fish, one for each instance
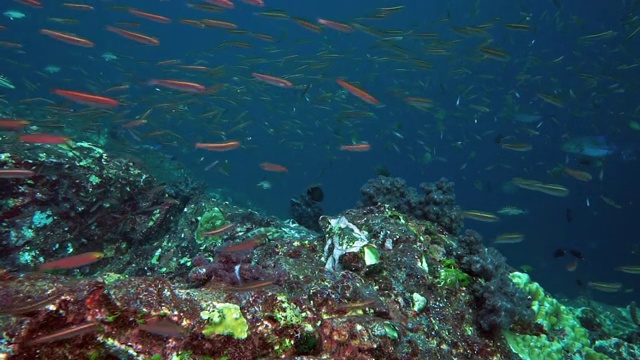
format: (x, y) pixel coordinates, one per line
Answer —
(568, 214)
(576, 254)
(559, 253)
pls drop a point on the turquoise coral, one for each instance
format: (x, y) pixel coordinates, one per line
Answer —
(41, 219)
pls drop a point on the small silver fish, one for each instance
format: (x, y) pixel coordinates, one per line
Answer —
(4, 82)
(512, 211)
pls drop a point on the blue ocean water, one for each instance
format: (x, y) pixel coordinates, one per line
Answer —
(475, 101)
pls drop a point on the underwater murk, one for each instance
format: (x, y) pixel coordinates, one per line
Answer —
(272, 179)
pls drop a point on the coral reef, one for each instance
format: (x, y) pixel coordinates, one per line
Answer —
(79, 192)
(499, 302)
(211, 220)
(387, 280)
(225, 319)
(305, 209)
(562, 334)
(437, 203)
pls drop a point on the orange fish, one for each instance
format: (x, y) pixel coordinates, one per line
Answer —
(226, 146)
(272, 80)
(420, 103)
(192, 22)
(71, 262)
(33, 306)
(578, 174)
(86, 98)
(335, 25)
(150, 16)
(363, 95)
(67, 333)
(163, 327)
(194, 67)
(44, 139)
(67, 38)
(273, 167)
(308, 25)
(245, 245)
(137, 37)
(13, 124)
(77, 6)
(227, 4)
(16, 173)
(168, 62)
(219, 24)
(32, 3)
(254, 285)
(219, 231)
(262, 37)
(254, 2)
(179, 85)
(357, 147)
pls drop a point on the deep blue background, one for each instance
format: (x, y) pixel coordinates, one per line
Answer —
(287, 129)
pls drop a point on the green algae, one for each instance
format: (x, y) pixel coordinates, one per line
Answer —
(225, 319)
(451, 276)
(211, 220)
(555, 318)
